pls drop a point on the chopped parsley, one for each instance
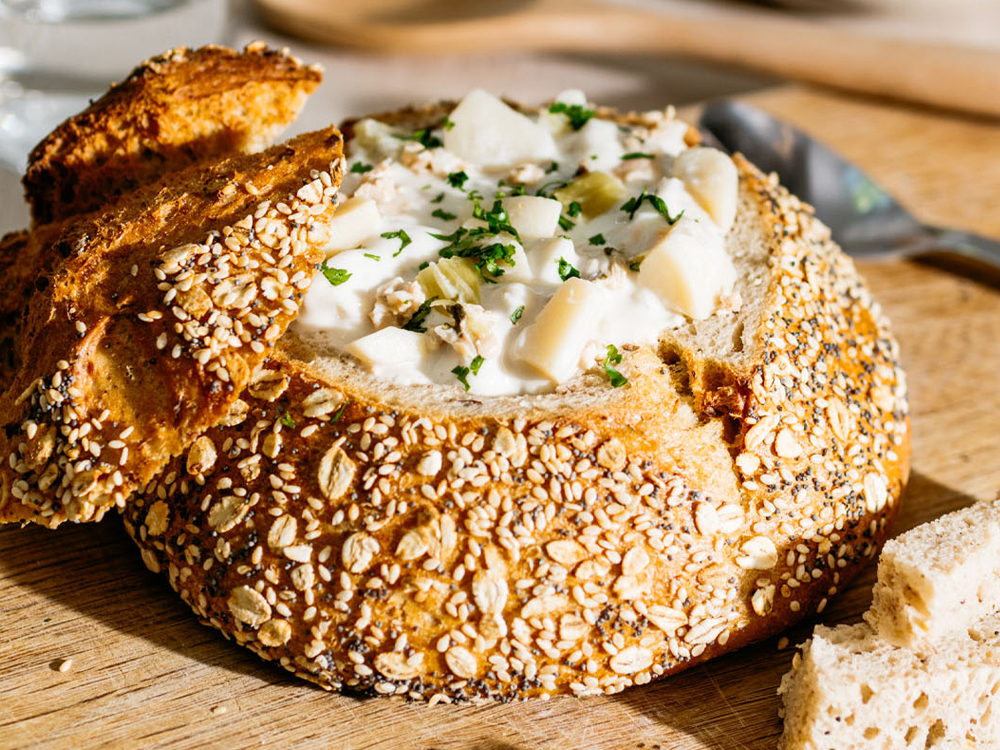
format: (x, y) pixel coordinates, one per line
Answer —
(552, 167)
(401, 235)
(457, 179)
(610, 360)
(634, 204)
(424, 137)
(447, 124)
(373, 257)
(440, 213)
(516, 315)
(416, 321)
(566, 270)
(286, 419)
(555, 185)
(638, 155)
(340, 412)
(574, 209)
(597, 239)
(462, 373)
(634, 265)
(566, 223)
(335, 276)
(578, 114)
(488, 256)
(438, 199)
(360, 168)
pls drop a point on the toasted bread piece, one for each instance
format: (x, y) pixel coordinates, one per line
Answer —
(422, 541)
(147, 332)
(938, 578)
(852, 690)
(180, 108)
(137, 132)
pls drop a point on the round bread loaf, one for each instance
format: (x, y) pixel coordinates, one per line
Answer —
(426, 542)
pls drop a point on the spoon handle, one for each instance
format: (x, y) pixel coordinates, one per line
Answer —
(972, 246)
(949, 76)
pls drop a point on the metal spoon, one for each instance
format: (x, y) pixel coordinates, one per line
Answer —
(865, 220)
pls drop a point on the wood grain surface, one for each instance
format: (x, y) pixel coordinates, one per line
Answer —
(145, 674)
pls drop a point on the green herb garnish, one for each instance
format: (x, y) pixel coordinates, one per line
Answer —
(574, 209)
(416, 321)
(610, 360)
(638, 155)
(440, 213)
(423, 137)
(566, 223)
(634, 265)
(566, 270)
(286, 419)
(340, 412)
(447, 124)
(462, 373)
(401, 235)
(578, 114)
(516, 315)
(335, 276)
(360, 168)
(457, 179)
(438, 199)
(373, 257)
(552, 167)
(597, 239)
(634, 204)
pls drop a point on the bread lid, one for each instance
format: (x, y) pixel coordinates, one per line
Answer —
(150, 314)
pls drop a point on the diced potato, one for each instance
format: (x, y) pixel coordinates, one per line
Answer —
(389, 347)
(376, 138)
(532, 215)
(356, 220)
(554, 343)
(711, 177)
(688, 268)
(545, 258)
(487, 132)
(599, 138)
(454, 279)
(596, 193)
(520, 271)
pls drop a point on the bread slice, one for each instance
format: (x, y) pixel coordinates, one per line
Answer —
(181, 108)
(174, 110)
(938, 578)
(427, 542)
(148, 331)
(851, 690)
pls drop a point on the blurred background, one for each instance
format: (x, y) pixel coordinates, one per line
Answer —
(380, 54)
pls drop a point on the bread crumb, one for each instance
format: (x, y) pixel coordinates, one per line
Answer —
(782, 643)
(62, 665)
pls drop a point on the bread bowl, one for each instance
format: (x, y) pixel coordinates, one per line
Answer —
(622, 521)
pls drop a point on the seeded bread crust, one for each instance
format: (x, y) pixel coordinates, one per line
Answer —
(147, 332)
(424, 542)
(174, 110)
(181, 108)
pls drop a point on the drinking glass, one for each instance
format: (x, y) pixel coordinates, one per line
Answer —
(55, 55)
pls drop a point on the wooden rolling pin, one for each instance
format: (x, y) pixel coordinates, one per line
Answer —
(948, 76)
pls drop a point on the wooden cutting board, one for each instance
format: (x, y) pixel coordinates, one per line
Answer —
(145, 674)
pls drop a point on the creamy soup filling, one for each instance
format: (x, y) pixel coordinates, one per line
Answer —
(506, 253)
